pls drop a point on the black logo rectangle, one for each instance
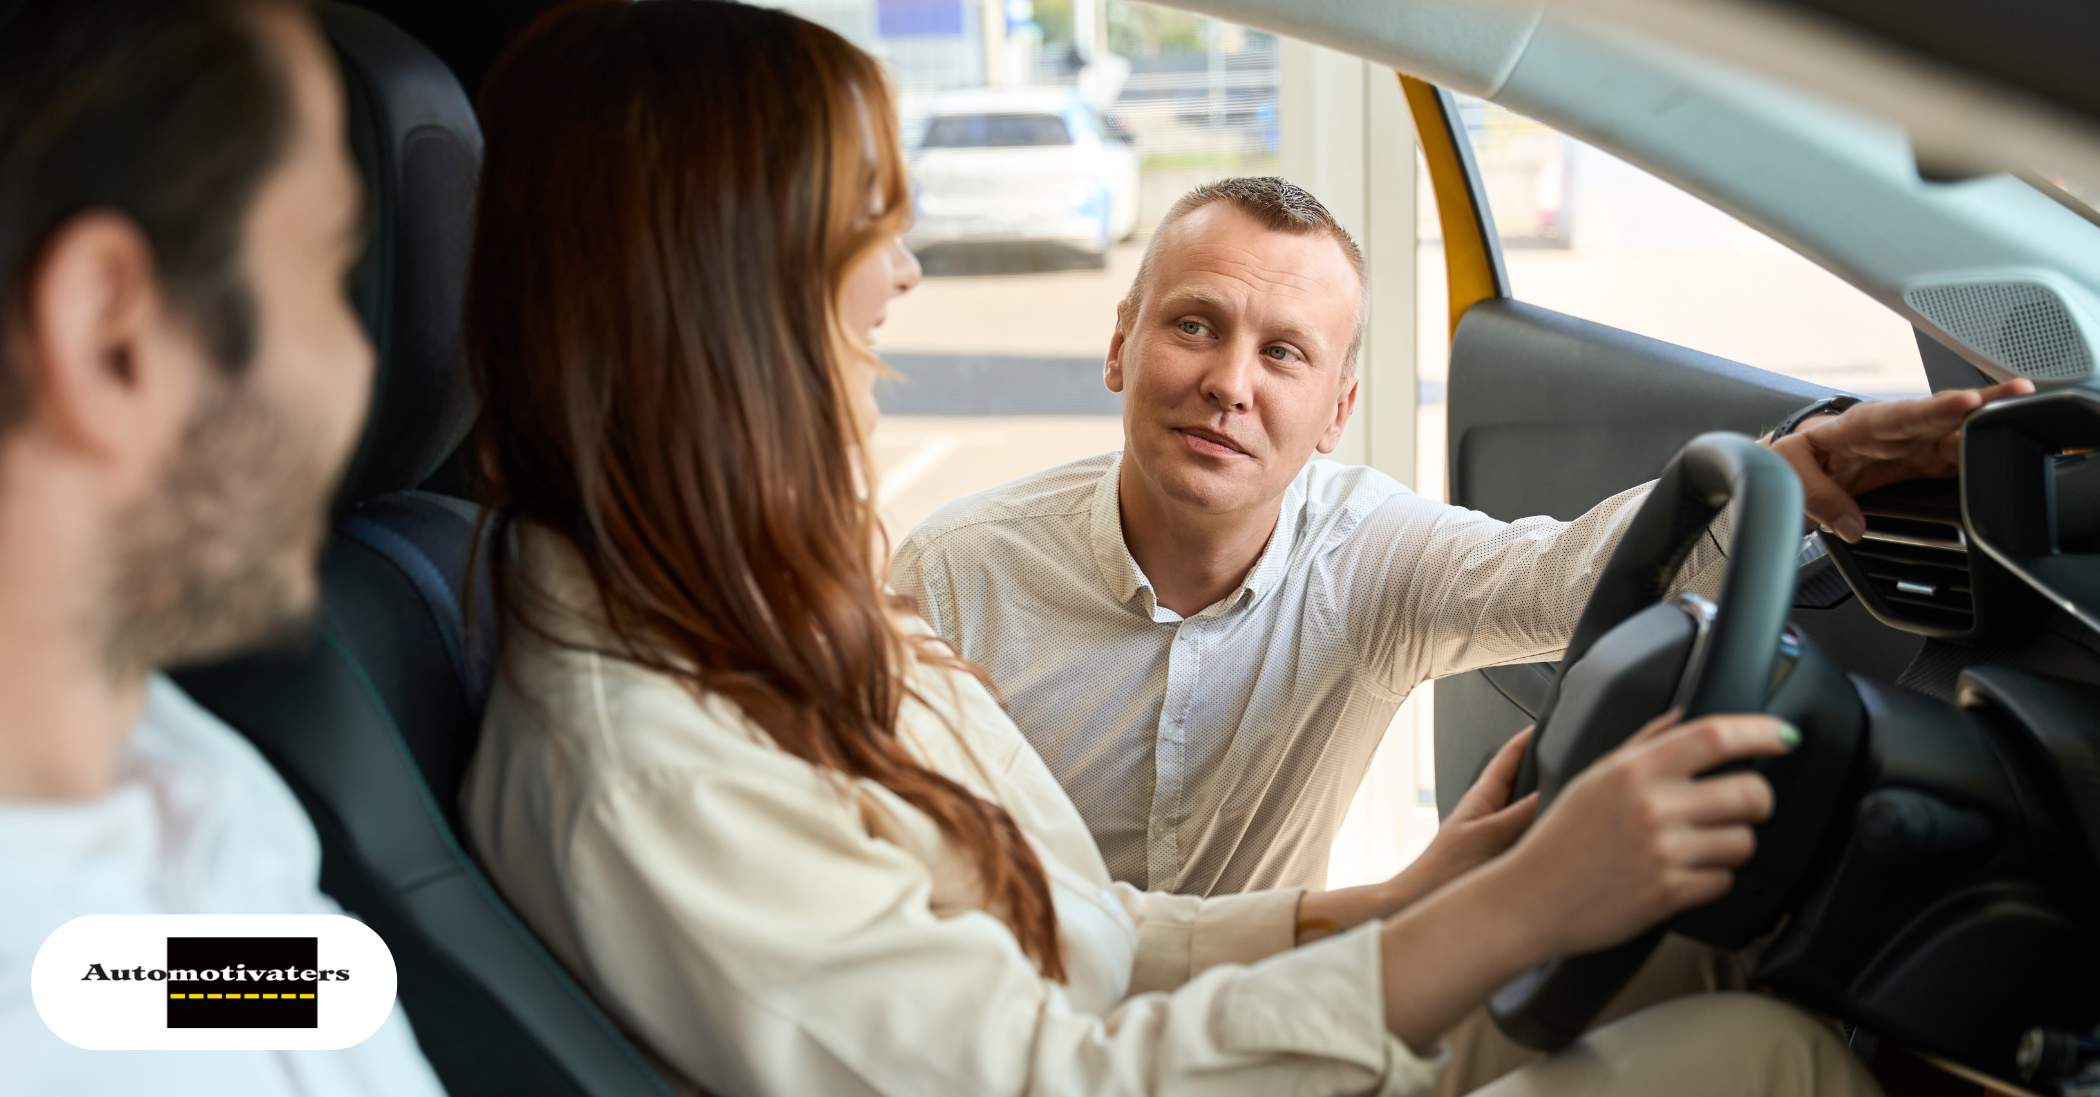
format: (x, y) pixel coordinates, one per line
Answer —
(243, 982)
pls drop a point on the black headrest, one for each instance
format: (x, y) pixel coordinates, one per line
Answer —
(419, 147)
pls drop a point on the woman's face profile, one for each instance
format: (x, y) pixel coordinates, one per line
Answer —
(881, 275)
(887, 271)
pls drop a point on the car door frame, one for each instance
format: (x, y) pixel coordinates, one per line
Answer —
(1475, 711)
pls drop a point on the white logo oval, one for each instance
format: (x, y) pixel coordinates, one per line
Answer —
(212, 982)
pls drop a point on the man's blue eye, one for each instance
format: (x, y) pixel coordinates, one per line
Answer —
(1191, 327)
(1279, 353)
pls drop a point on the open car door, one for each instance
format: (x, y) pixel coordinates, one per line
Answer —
(1549, 414)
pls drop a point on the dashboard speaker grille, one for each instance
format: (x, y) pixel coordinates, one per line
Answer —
(2023, 326)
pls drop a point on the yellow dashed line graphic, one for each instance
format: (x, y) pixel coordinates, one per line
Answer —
(266, 997)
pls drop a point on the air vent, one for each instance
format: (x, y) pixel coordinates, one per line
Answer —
(1917, 571)
(1913, 570)
(2021, 325)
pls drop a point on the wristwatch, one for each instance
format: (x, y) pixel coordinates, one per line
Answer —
(1829, 405)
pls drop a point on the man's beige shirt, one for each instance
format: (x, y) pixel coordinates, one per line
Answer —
(1218, 753)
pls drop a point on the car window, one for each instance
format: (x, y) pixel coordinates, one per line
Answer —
(1587, 234)
(972, 131)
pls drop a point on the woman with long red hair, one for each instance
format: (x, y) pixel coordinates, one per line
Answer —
(784, 834)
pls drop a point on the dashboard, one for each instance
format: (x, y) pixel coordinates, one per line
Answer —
(2015, 539)
(1963, 913)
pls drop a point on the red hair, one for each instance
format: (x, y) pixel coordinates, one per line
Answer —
(671, 197)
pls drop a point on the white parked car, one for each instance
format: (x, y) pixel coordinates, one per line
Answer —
(1023, 166)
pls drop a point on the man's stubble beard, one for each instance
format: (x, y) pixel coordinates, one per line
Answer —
(221, 556)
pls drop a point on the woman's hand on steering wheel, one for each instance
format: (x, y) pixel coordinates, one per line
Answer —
(1640, 836)
(1482, 826)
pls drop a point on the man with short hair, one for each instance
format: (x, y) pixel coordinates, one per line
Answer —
(1206, 634)
(181, 380)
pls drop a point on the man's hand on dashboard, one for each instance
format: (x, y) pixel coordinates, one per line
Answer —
(1877, 443)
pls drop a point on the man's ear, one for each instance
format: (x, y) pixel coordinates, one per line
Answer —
(1112, 366)
(94, 312)
(1343, 405)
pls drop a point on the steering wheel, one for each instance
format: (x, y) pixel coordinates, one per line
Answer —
(1634, 656)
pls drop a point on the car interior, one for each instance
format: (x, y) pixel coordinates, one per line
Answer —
(1932, 879)
(374, 725)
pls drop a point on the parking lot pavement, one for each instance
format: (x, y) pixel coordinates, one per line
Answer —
(1007, 305)
(925, 461)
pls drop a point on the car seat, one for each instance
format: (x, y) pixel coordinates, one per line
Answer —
(373, 720)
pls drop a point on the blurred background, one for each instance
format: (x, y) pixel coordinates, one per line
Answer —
(1047, 138)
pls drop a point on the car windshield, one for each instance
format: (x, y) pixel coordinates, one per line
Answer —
(973, 131)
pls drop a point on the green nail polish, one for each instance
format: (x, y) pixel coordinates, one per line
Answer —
(1790, 735)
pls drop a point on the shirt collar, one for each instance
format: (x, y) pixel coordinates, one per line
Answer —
(1121, 573)
(1105, 531)
(1275, 559)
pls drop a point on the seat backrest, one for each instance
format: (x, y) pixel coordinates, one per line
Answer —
(372, 722)
(372, 725)
(418, 146)
(428, 539)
